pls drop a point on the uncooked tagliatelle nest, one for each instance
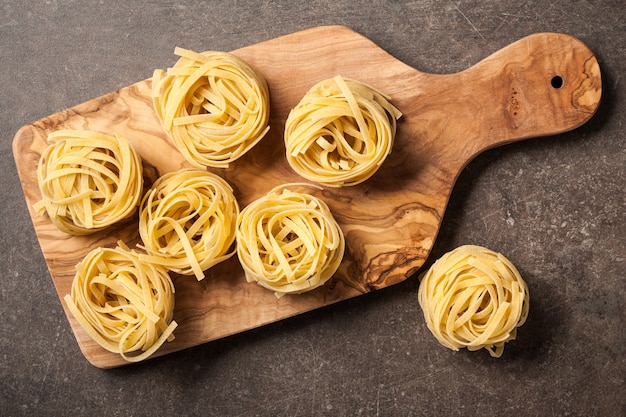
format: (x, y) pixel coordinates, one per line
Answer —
(187, 221)
(213, 105)
(473, 298)
(340, 133)
(288, 241)
(88, 180)
(125, 304)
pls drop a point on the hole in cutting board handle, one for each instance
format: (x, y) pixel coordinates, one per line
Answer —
(557, 81)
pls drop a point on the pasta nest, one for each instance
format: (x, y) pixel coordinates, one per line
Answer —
(473, 298)
(88, 180)
(289, 242)
(125, 304)
(340, 133)
(213, 105)
(187, 221)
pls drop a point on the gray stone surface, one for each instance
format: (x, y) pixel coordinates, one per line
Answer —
(555, 206)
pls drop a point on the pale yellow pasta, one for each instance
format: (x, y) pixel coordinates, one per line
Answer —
(473, 298)
(288, 241)
(88, 180)
(340, 133)
(213, 105)
(187, 221)
(126, 305)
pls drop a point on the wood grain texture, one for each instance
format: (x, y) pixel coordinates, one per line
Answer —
(390, 221)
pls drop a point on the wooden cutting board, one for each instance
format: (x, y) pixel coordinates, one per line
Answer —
(541, 85)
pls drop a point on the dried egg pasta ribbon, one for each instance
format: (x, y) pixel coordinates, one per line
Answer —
(340, 133)
(289, 242)
(187, 221)
(88, 180)
(213, 105)
(475, 298)
(124, 304)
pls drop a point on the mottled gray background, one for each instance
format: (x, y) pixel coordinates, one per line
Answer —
(554, 206)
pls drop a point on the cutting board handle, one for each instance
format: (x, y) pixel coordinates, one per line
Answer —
(541, 85)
